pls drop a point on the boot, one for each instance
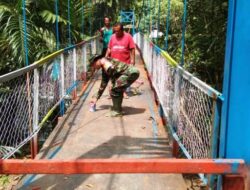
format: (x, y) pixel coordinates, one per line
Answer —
(116, 110)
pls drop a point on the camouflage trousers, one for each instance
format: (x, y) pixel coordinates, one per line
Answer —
(123, 81)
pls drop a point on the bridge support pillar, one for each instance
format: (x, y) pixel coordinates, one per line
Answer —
(235, 122)
(234, 182)
(176, 148)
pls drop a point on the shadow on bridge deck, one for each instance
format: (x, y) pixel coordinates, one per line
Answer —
(84, 134)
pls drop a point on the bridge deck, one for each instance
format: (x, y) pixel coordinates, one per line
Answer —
(83, 134)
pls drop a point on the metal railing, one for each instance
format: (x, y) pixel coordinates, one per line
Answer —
(29, 96)
(191, 107)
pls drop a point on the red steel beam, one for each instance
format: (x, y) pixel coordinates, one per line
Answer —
(92, 166)
(233, 182)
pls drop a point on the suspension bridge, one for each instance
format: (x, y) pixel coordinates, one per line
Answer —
(169, 112)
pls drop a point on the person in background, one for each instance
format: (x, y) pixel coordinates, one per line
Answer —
(121, 47)
(105, 34)
(122, 75)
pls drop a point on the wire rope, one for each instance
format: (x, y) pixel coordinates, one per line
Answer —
(168, 24)
(158, 18)
(25, 33)
(57, 26)
(69, 23)
(149, 25)
(82, 24)
(90, 16)
(28, 85)
(184, 18)
(142, 13)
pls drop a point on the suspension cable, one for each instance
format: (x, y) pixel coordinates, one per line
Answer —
(167, 24)
(153, 12)
(90, 15)
(25, 33)
(149, 26)
(145, 16)
(57, 26)
(183, 32)
(141, 13)
(158, 19)
(56, 65)
(69, 23)
(28, 84)
(82, 19)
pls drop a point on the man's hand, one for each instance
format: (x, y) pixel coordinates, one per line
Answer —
(132, 56)
(93, 100)
(92, 105)
(101, 39)
(108, 52)
(101, 35)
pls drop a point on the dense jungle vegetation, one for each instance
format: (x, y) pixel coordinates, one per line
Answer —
(205, 32)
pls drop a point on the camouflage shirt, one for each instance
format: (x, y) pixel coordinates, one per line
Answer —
(114, 71)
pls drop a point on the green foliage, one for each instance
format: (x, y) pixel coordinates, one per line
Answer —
(205, 34)
(50, 17)
(4, 180)
(41, 34)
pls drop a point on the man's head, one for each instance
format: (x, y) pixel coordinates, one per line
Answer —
(106, 21)
(93, 61)
(118, 30)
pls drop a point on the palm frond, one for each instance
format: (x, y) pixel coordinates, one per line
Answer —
(50, 17)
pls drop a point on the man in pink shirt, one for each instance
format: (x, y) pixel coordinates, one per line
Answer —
(121, 45)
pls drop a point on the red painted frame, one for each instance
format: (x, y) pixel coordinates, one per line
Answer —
(234, 171)
(91, 166)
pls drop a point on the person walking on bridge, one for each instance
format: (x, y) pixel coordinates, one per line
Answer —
(121, 45)
(105, 34)
(121, 75)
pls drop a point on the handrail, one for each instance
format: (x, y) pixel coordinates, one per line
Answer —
(36, 64)
(31, 94)
(200, 84)
(192, 107)
(188, 76)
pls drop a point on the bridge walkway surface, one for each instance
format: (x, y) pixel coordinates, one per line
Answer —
(83, 134)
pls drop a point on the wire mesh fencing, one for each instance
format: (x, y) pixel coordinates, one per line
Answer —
(16, 112)
(28, 96)
(189, 105)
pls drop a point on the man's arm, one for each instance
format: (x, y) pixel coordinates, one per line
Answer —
(131, 47)
(132, 56)
(101, 34)
(108, 52)
(104, 83)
